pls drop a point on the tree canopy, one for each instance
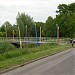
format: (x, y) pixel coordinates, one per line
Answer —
(24, 20)
(65, 19)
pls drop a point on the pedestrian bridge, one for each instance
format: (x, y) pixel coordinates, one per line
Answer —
(30, 40)
(17, 44)
(27, 39)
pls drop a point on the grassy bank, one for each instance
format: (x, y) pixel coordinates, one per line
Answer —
(5, 47)
(20, 56)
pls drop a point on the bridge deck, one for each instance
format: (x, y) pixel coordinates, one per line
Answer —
(32, 42)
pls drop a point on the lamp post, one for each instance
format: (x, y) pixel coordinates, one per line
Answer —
(20, 38)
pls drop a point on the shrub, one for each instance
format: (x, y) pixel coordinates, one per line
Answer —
(4, 47)
(13, 53)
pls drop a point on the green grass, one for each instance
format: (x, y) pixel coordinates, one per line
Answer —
(20, 56)
(4, 47)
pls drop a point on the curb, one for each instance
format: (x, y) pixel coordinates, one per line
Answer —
(15, 67)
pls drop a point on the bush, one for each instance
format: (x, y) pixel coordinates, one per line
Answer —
(13, 53)
(2, 34)
(4, 47)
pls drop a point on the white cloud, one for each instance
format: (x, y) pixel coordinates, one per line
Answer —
(38, 9)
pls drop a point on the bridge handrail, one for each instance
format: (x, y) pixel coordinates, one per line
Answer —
(43, 39)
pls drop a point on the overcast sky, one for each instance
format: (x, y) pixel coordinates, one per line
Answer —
(38, 9)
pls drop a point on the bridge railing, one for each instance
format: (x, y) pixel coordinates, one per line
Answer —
(4, 39)
(43, 39)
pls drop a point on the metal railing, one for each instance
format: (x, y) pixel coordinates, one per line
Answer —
(43, 39)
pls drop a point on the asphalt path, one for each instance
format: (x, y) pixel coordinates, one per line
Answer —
(62, 63)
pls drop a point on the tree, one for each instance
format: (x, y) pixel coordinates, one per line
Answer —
(2, 34)
(64, 8)
(7, 27)
(72, 7)
(66, 20)
(49, 27)
(23, 20)
(2, 28)
(38, 25)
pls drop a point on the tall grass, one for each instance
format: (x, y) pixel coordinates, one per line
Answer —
(20, 52)
(4, 47)
(19, 56)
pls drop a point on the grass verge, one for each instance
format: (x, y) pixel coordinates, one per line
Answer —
(20, 56)
(5, 46)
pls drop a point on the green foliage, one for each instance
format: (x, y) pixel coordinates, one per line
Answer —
(2, 28)
(4, 47)
(66, 20)
(7, 28)
(23, 20)
(2, 34)
(64, 8)
(9, 31)
(38, 25)
(19, 52)
(50, 28)
(72, 7)
(13, 53)
(16, 57)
